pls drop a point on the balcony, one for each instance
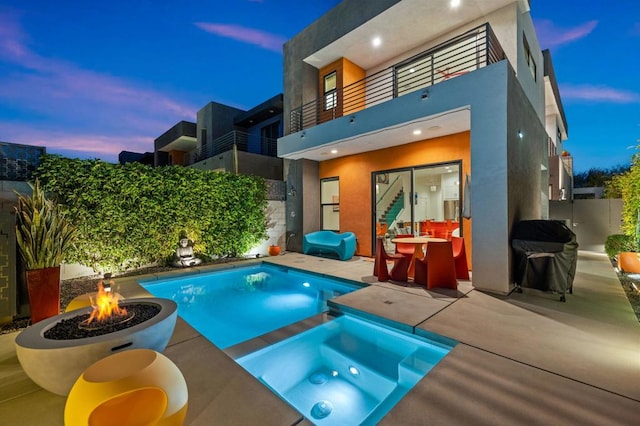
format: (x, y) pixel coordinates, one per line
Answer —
(241, 140)
(462, 54)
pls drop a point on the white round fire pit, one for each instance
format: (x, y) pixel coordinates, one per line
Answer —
(55, 364)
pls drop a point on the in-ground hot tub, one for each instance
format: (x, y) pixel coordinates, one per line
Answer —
(346, 371)
(55, 364)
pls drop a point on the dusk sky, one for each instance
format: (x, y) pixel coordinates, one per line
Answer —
(89, 79)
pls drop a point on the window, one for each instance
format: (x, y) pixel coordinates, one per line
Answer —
(529, 58)
(330, 95)
(330, 204)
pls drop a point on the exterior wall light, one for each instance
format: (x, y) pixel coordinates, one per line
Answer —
(425, 94)
(352, 120)
(520, 134)
(303, 135)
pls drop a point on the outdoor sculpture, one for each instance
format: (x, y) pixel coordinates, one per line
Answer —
(185, 256)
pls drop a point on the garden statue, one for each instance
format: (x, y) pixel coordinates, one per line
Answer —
(184, 254)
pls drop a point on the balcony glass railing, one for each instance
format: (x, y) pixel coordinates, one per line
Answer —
(462, 54)
(243, 142)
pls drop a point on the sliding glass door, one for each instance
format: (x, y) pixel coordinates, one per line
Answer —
(422, 201)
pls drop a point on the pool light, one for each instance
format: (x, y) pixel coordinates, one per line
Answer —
(354, 371)
(334, 373)
(306, 284)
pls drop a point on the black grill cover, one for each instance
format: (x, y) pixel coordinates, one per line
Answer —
(545, 255)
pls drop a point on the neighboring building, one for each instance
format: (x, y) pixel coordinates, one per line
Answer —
(227, 139)
(231, 140)
(389, 108)
(17, 163)
(588, 193)
(136, 157)
(560, 161)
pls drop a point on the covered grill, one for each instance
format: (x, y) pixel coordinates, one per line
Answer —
(545, 255)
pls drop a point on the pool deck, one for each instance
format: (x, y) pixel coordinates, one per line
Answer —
(526, 358)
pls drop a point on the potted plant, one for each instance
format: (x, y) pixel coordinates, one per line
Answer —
(628, 260)
(43, 237)
(273, 250)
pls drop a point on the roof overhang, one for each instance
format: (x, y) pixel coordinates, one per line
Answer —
(397, 27)
(447, 123)
(183, 143)
(269, 108)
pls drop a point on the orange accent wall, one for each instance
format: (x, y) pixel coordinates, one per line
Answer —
(355, 171)
(346, 73)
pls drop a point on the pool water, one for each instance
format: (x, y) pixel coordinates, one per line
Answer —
(231, 306)
(347, 371)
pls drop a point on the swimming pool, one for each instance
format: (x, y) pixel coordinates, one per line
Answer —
(230, 306)
(347, 371)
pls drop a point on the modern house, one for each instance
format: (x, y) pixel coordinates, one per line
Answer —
(390, 109)
(227, 139)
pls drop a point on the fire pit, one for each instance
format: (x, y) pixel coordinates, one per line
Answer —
(54, 352)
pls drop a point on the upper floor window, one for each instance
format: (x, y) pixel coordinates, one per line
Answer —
(529, 58)
(330, 95)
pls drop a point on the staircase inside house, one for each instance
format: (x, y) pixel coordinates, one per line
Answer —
(392, 211)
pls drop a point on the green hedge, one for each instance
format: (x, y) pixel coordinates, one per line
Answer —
(131, 215)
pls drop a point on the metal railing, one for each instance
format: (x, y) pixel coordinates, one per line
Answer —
(241, 140)
(464, 53)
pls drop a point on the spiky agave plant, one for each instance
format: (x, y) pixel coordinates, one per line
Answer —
(43, 235)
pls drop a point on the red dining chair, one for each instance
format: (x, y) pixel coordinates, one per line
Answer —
(426, 229)
(400, 264)
(460, 258)
(437, 268)
(405, 249)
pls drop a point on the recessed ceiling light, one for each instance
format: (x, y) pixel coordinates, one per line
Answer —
(454, 3)
(334, 151)
(376, 42)
(417, 132)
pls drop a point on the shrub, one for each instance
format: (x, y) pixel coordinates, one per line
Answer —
(131, 215)
(617, 243)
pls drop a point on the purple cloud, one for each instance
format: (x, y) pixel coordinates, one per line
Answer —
(75, 98)
(599, 94)
(550, 35)
(85, 145)
(246, 35)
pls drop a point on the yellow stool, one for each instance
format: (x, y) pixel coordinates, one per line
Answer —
(138, 386)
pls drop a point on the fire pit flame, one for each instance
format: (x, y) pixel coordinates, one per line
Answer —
(106, 309)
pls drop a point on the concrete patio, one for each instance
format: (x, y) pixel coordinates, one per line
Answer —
(521, 359)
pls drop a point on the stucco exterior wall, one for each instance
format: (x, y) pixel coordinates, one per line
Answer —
(355, 173)
(300, 79)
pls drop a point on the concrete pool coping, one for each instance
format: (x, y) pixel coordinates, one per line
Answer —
(521, 359)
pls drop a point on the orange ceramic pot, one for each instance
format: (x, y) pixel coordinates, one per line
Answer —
(274, 250)
(629, 262)
(43, 286)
